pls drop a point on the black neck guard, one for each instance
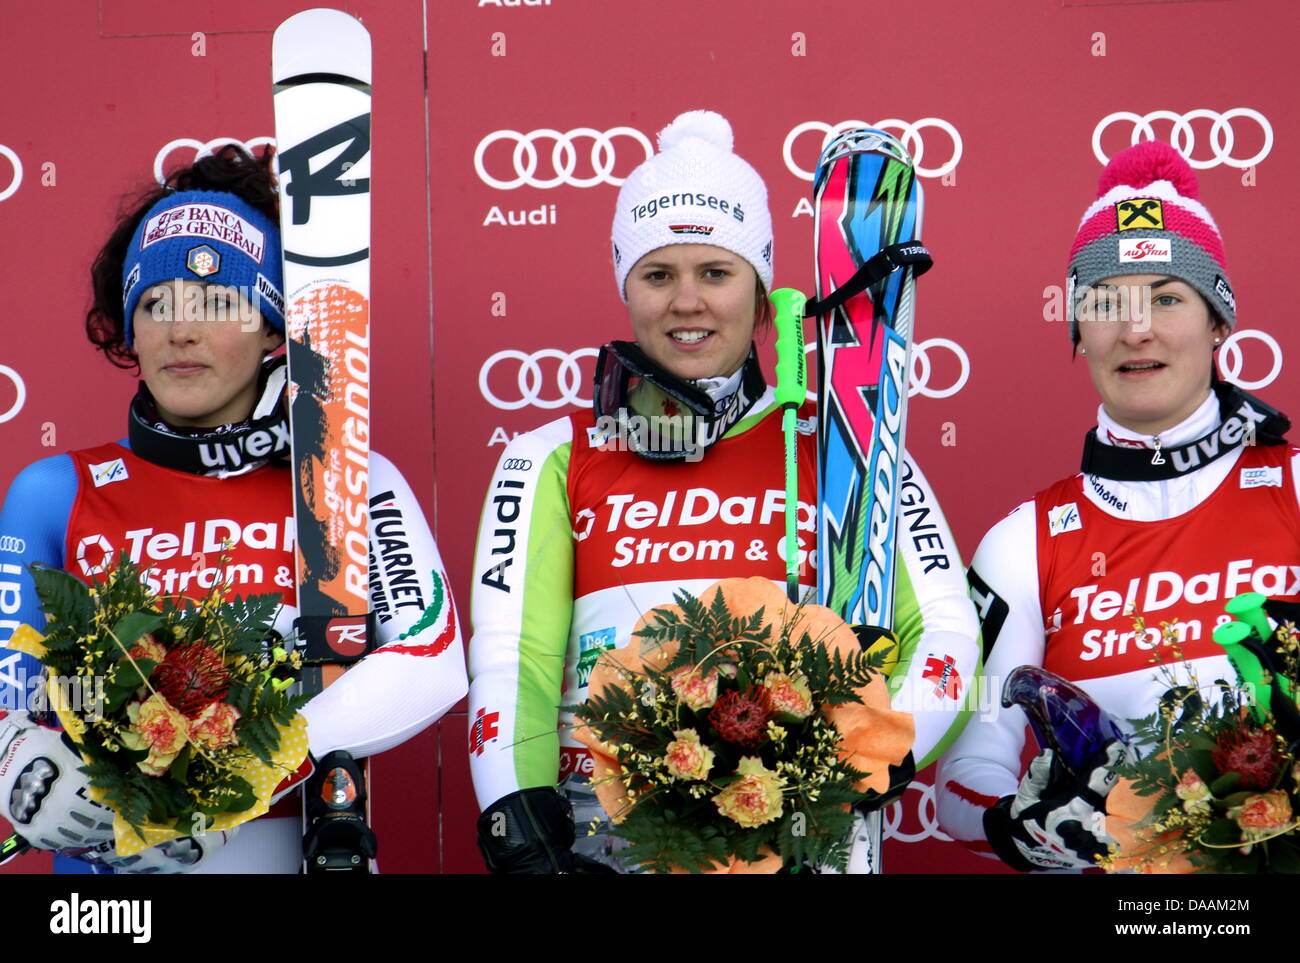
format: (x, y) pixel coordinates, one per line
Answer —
(1244, 418)
(659, 416)
(225, 450)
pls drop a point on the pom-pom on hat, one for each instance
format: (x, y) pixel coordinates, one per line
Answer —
(694, 191)
(1147, 220)
(210, 236)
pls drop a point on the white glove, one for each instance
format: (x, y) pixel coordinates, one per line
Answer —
(42, 791)
(182, 855)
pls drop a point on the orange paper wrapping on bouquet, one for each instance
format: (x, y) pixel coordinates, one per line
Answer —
(1138, 852)
(875, 736)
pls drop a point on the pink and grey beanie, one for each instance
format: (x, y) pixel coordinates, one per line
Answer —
(694, 191)
(1147, 220)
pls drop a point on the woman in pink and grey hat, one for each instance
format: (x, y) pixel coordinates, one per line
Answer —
(602, 515)
(1188, 495)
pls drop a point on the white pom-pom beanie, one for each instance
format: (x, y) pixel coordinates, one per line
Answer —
(694, 191)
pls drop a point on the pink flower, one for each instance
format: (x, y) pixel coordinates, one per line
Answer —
(1264, 812)
(214, 727)
(1262, 815)
(789, 696)
(754, 798)
(697, 691)
(686, 757)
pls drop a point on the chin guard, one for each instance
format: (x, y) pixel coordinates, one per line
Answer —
(642, 407)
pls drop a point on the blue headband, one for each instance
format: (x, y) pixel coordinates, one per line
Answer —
(207, 236)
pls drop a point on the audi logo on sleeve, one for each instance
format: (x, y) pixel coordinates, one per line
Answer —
(546, 158)
(533, 384)
(16, 178)
(928, 133)
(1221, 134)
(163, 159)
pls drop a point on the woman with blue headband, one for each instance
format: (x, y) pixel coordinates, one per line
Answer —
(188, 289)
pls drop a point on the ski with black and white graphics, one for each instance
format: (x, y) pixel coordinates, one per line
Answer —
(321, 73)
(868, 208)
(321, 70)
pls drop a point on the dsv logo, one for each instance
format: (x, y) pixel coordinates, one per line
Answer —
(927, 818)
(20, 393)
(533, 386)
(1222, 139)
(909, 134)
(16, 180)
(1231, 363)
(201, 149)
(563, 166)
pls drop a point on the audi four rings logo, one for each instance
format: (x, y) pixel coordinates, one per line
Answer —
(201, 149)
(927, 817)
(517, 464)
(17, 177)
(1231, 362)
(909, 134)
(564, 157)
(20, 393)
(1222, 139)
(534, 387)
(920, 383)
(921, 368)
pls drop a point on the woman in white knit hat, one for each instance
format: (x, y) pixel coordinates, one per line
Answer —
(674, 481)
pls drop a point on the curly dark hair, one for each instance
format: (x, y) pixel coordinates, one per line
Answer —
(231, 169)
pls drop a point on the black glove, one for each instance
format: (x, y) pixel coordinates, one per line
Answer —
(1054, 821)
(532, 831)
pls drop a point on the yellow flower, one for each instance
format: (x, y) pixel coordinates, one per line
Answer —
(158, 727)
(789, 696)
(1194, 793)
(148, 648)
(214, 727)
(697, 691)
(754, 798)
(686, 757)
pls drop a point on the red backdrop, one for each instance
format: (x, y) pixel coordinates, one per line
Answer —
(501, 128)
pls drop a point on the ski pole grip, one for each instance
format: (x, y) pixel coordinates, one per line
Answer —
(1248, 607)
(791, 361)
(1250, 673)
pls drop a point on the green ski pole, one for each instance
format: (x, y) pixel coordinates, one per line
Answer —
(791, 390)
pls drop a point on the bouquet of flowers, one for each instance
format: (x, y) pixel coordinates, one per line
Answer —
(182, 713)
(736, 730)
(1220, 788)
